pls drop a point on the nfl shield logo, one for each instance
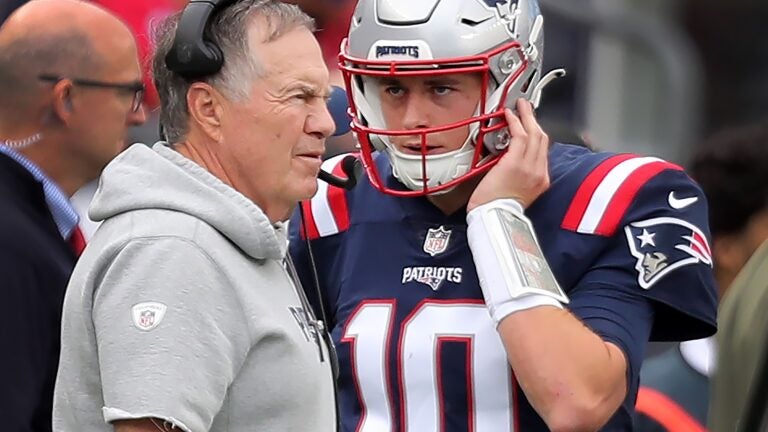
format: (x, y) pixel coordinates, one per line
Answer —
(146, 319)
(147, 315)
(437, 240)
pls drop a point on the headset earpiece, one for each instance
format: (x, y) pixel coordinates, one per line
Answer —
(191, 55)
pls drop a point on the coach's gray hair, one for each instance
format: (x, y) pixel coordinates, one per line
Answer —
(229, 30)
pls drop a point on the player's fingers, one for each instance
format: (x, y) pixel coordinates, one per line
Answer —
(518, 137)
(542, 161)
(543, 151)
(532, 130)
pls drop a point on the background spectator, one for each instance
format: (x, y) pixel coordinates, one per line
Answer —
(68, 96)
(732, 169)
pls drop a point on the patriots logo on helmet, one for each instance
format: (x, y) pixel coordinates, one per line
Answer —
(662, 245)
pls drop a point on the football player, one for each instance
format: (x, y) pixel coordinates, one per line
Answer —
(480, 278)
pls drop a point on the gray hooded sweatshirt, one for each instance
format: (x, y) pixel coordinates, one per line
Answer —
(181, 308)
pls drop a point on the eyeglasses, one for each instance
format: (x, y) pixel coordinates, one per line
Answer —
(136, 88)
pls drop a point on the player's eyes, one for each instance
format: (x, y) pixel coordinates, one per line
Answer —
(441, 90)
(394, 91)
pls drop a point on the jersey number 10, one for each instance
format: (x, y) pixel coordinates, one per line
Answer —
(490, 395)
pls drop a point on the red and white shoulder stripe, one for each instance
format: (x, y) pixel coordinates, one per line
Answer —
(606, 194)
(327, 213)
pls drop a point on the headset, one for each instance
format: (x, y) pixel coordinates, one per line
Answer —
(192, 55)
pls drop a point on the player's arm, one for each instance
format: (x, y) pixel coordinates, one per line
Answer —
(573, 378)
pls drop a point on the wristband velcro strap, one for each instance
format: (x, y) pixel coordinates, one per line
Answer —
(513, 273)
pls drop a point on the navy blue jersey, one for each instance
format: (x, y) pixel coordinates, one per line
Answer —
(626, 237)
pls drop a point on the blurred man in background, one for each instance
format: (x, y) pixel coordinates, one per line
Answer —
(71, 86)
(735, 167)
(142, 17)
(732, 169)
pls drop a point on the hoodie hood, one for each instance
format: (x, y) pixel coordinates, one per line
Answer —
(160, 178)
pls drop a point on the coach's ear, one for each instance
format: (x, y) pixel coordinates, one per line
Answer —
(206, 108)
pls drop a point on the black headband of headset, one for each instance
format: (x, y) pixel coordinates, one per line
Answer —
(193, 56)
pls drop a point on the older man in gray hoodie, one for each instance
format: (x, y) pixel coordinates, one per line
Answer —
(181, 314)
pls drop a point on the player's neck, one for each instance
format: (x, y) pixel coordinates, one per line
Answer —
(456, 199)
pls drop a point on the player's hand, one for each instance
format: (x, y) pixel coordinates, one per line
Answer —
(522, 172)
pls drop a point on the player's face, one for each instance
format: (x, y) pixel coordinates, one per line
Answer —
(413, 103)
(275, 140)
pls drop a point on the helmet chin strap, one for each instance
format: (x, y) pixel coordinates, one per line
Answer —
(457, 162)
(407, 168)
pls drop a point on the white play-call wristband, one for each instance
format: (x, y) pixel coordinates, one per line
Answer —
(513, 273)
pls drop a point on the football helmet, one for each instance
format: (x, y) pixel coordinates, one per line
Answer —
(500, 40)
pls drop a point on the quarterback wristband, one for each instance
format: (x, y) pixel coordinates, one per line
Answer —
(513, 273)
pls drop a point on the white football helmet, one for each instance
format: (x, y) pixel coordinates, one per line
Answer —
(501, 40)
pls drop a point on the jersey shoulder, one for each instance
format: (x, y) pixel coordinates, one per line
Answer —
(641, 223)
(333, 210)
(600, 192)
(327, 212)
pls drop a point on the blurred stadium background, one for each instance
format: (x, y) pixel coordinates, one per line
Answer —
(649, 76)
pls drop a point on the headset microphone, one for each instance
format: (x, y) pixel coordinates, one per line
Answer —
(351, 167)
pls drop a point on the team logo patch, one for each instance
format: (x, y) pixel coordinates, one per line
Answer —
(437, 240)
(662, 245)
(148, 315)
(433, 277)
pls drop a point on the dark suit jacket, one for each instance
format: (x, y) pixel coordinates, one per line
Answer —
(8, 6)
(35, 265)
